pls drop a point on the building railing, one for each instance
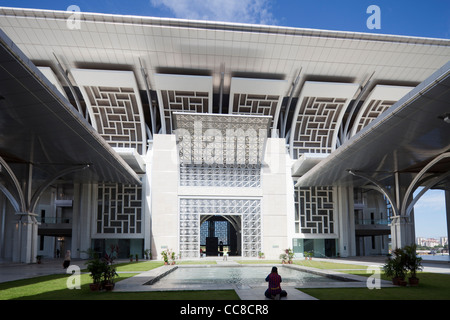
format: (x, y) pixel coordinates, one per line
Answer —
(54, 220)
(385, 222)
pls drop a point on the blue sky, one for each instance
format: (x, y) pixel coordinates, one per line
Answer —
(429, 18)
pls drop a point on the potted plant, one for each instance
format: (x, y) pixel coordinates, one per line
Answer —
(413, 264)
(290, 255)
(137, 257)
(173, 257)
(39, 259)
(261, 255)
(148, 254)
(284, 258)
(395, 267)
(96, 267)
(165, 256)
(109, 274)
(131, 258)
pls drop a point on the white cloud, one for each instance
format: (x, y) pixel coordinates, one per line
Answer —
(429, 214)
(243, 11)
(433, 201)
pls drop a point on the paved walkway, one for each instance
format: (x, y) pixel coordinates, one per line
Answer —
(138, 283)
(15, 271)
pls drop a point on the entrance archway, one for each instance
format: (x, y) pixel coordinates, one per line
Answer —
(220, 234)
(243, 213)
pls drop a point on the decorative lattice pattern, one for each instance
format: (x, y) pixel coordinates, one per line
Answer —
(246, 176)
(116, 116)
(316, 125)
(191, 209)
(314, 210)
(221, 231)
(372, 111)
(221, 140)
(251, 232)
(186, 101)
(189, 235)
(264, 105)
(119, 209)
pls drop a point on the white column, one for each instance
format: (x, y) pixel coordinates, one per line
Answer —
(84, 212)
(402, 232)
(147, 200)
(164, 195)
(346, 221)
(25, 238)
(275, 204)
(447, 205)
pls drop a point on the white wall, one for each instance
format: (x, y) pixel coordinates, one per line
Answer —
(278, 199)
(164, 195)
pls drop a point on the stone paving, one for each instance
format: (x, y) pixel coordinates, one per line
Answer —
(15, 271)
(254, 292)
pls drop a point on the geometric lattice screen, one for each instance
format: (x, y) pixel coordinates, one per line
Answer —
(191, 209)
(248, 176)
(257, 97)
(318, 115)
(319, 120)
(119, 209)
(264, 105)
(314, 210)
(114, 106)
(373, 110)
(182, 93)
(211, 140)
(379, 100)
(116, 116)
(186, 101)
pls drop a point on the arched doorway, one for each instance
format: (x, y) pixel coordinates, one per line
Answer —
(220, 234)
(244, 214)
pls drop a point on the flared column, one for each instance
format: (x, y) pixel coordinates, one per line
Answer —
(25, 238)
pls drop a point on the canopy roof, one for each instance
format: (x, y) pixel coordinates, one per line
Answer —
(404, 139)
(40, 127)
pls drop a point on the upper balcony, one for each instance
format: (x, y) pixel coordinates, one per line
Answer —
(372, 227)
(55, 226)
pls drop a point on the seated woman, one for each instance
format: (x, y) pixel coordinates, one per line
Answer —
(274, 290)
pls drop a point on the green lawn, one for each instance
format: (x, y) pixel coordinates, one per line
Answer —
(432, 286)
(53, 287)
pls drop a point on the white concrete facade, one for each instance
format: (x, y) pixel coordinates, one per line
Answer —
(178, 72)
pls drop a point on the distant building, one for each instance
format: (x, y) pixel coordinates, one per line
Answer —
(431, 242)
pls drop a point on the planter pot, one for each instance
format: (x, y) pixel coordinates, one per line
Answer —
(108, 286)
(413, 281)
(94, 286)
(397, 281)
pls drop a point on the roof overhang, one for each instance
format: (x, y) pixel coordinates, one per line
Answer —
(40, 127)
(403, 139)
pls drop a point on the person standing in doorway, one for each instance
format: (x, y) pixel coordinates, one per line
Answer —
(66, 262)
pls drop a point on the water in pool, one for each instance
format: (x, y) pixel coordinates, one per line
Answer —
(237, 275)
